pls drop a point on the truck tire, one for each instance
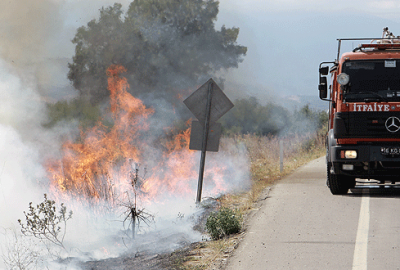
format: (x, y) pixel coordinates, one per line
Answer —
(338, 184)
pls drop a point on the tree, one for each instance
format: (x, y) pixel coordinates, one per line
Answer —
(165, 45)
(249, 116)
(97, 46)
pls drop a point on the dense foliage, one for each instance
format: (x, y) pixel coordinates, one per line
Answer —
(166, 46)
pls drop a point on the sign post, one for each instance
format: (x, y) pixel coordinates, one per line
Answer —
(204, 143)
(208, 104)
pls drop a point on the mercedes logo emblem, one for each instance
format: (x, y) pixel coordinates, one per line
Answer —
(392, 124)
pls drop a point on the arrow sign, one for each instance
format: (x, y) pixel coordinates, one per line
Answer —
(197, 102)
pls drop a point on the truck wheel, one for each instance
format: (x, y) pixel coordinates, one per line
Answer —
(338, 184)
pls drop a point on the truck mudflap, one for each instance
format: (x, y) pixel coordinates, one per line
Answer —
(380, 162)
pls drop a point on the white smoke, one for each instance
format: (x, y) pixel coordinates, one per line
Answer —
(20, 114)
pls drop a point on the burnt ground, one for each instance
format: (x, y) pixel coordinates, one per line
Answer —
(143, 261)
(199, 255)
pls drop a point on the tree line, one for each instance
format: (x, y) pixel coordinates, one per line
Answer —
(250, 117)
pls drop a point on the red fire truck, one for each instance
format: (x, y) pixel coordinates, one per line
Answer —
(364, 113)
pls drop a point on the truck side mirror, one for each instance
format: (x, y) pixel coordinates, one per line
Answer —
(323, 88)
(324, 70)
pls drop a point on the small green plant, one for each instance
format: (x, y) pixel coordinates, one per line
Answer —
(43, 222)
(223, 222)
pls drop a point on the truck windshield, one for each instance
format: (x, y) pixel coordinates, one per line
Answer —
(372, 80)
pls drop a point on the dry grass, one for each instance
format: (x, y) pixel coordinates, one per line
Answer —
(210, 254)
(263, 154)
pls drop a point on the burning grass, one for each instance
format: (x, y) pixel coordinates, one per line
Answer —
(96, 167)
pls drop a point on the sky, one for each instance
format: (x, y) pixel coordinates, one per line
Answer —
(286, 39)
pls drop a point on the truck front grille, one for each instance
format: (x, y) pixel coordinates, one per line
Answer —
(366, 125)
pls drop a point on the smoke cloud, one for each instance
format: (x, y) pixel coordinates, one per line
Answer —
(33, 42)
(36, 40)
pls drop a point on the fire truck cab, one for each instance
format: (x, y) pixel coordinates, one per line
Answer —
(363, 140)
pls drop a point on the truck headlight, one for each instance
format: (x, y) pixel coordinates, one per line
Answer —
(343, 78)
(349, 154)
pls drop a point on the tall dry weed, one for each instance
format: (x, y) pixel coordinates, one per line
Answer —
(263, 154)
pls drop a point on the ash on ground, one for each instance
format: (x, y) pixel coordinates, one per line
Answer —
(156, 252)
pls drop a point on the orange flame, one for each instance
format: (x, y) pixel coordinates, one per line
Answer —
(100, 165)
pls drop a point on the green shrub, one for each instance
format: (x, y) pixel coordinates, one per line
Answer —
(223, 222)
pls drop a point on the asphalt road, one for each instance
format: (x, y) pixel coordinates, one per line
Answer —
(301, 225)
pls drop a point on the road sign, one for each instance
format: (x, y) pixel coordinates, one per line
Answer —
(208, 104)
(196, 136)
(197, 102)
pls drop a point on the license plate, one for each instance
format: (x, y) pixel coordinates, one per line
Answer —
(390, 151)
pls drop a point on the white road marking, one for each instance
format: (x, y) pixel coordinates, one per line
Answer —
(361, 248)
